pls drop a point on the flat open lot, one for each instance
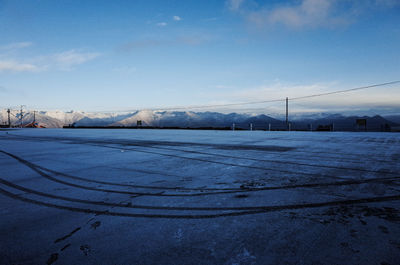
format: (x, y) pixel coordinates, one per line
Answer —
(198, 197)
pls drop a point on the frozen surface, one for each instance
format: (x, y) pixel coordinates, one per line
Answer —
(198, 197)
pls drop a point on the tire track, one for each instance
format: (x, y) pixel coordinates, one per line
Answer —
(34, 168)
(245, 166)
(156, 145)
(131, 185)
(309, 185)
(266, 209)
(274, 161)
(152, 144)
(127, 205)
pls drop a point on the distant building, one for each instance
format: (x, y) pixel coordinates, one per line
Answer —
(325, 128)
(361, 124)
(34, 125)
(386, 128)
(395, 129)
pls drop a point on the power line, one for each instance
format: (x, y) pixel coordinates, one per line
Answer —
(345, 90)
(218, 105)
(265, 101)
(276, 100)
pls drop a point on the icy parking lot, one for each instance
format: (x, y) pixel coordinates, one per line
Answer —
(198, 197)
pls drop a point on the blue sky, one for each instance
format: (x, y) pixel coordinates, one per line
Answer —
(125, 55)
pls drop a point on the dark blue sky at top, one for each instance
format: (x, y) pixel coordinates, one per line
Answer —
(95, 55)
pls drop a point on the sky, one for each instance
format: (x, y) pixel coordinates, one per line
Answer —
(127, 55)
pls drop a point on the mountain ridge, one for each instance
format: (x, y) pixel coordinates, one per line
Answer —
(189, 119)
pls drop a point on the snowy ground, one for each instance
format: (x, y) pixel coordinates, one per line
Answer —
(198, 197)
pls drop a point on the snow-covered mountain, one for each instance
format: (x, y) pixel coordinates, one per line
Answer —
(58, 119)
(193, 119)
(184, 119)
(347, 123)
(42, 118)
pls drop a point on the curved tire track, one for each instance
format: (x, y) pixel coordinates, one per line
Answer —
(206, 216)
(309, 185)
(156, 145)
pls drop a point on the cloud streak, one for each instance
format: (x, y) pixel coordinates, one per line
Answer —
(125, 70)
(176, 18)
(14, 66)
(234, 5)
(371, 98)
(190, 40)
(306, 14)
(3, 89)
(309, 13)
(71, 58)
(16, 45)
(387, 3)
(64, 61)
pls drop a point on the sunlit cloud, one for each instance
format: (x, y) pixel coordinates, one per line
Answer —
(3, 89)
(306, 14)
(234, 5)
(66, 60)
(210, 19)
(15, 66)
(125, 70)
(375, 98)
(16, 45)
(387, 3)
(190, 40)
(176, 18)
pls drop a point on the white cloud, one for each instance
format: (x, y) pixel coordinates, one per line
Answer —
(125, 70)
(162, 24)
(176, 18)
(298, 14)
(234, 5)
(187, 39)
(14, 66)
(223, 87)
(16, 45)
(304, 14)
(307, 14)
(59, 61)
(387, 3)
(68, 59)
(361, 99)
(279, 90)
(210, 19)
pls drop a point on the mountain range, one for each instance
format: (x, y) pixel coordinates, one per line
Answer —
(189, 119)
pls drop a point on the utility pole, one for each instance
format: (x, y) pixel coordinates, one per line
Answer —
(34, 117)
(22, 115)
(287, 112)
(9, 120)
